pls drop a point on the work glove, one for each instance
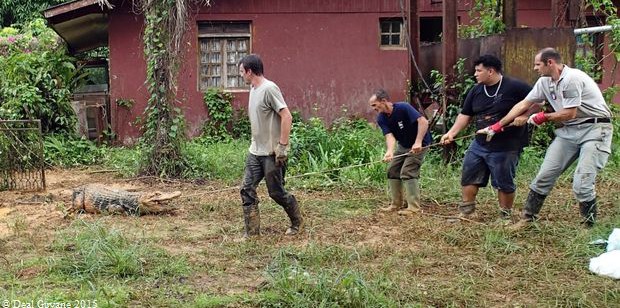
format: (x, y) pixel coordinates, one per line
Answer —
(281, 154)
(537, 118)
(490, 131)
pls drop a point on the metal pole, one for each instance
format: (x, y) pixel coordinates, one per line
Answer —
(606, 28)
(41, 152)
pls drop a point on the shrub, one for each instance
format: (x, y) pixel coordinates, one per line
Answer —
(36, 77)
(70, 151)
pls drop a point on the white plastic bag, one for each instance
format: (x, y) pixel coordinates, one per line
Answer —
(613, 243)
(607, 264)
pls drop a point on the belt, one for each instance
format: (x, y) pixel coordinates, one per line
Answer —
(597, 120)
(590, 120)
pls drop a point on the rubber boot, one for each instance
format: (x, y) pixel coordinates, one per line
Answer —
(396, 190)
(297, 221)
(467, 209)
(251, 216)
(530, 211)
(588, 212)
(412, 194)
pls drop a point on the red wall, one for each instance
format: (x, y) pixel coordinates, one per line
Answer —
(127, 73)
(324, 55)
(327, 64)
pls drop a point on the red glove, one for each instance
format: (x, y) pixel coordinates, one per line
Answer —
(538, 118)
(497, 127)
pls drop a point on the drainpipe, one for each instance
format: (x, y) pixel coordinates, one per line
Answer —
(593, 29)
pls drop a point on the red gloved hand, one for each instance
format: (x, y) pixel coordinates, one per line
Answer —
(490, 131)
(537, 118)
(497, 127)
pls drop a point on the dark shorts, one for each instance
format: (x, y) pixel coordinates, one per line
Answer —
(480, 163)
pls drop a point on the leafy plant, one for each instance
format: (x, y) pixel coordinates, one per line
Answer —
(486, 19)
(21, 12)
(37, 77)
(220, 110)
(71, 151)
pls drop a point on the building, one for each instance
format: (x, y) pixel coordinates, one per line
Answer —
(326, 56)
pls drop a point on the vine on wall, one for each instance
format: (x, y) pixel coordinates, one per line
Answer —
(164, 127)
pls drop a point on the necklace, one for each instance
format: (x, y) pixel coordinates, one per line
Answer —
(496, 91)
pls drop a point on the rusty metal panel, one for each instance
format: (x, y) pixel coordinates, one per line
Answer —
(521, 45)
(516, 48)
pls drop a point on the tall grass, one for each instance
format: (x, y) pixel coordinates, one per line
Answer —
(90, 250)
(322, 277)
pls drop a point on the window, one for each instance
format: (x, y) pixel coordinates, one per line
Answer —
(433, 26)
(391, 30)
(222, 45)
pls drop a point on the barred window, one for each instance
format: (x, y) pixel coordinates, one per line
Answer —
(222, 46)
(391, 32)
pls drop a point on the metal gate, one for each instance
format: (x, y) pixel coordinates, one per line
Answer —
(22, 162)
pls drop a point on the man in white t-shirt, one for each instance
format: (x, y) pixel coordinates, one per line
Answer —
(585, 134)
(271, 122)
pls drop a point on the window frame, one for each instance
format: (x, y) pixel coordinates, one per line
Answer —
(223, 38)
(401, 33)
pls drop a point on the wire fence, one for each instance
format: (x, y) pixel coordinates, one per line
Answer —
(22, 161)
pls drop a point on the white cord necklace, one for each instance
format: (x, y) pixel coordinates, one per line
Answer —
(496, 91)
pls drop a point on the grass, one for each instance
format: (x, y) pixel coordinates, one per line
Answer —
(350, 254)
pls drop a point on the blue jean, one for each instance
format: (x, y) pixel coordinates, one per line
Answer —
(480, 163)
(589, 144)
(257, 168)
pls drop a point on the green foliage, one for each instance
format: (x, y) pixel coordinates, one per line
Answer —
(220, 110)
(215, 160)
(314, 147)
(610, 11)
(486, 19)
(242, 128)
(164, 127)
(21, 12)
(614, 158)
(71, 151)
(586, 60)
(37, 77)
(463, 81)
(298, 279)
(125, 102)
(92, 250)
(224, 123)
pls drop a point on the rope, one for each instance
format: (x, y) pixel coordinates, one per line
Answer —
(329, 170)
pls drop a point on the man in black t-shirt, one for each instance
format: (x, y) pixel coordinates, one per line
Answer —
(497, 157)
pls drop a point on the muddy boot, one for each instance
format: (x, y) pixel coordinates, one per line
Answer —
(297, 221)
(251, 217)
(505, 216)
(588, 212)
(412, 194)
(396, 190)
(532, 207)
(467, 209)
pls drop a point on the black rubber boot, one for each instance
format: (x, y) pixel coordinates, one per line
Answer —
(297, 221)
(530, 211)
(532, 206)
(251, 216)
(588, 212)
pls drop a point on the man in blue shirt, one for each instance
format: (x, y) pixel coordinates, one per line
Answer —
(406, 132)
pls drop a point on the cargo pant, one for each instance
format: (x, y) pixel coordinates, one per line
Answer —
(589, 144)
